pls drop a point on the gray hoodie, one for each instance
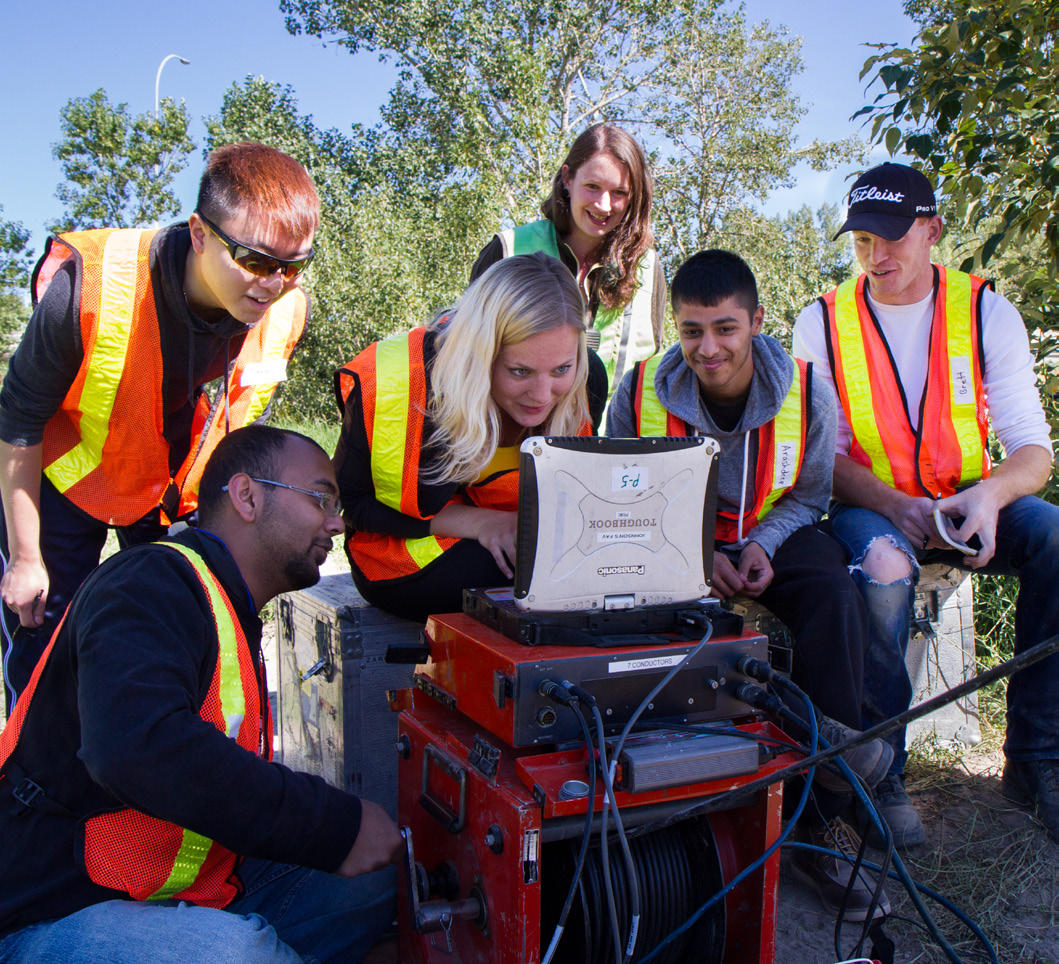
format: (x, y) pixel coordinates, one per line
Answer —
(677, 388)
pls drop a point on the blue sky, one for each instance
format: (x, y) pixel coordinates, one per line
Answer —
(68, 49)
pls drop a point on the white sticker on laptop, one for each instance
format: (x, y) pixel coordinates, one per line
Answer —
(628, 478)
(962, 384)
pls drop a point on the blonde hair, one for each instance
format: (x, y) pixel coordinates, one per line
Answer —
(515, 299)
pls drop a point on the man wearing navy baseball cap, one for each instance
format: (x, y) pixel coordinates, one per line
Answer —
(925, 360)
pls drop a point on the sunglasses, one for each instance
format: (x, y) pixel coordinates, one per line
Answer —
(257, 262)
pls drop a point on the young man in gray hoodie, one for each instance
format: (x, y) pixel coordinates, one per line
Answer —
(775, 425)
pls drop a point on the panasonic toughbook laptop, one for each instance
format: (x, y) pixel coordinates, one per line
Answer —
(610, 524)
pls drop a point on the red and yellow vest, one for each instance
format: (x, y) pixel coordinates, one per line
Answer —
(153, 859)
(393, 395)
(949, 450)
(104, 448)
(780, 442)
(394, 402)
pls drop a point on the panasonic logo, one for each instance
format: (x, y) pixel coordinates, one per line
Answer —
(621, 570)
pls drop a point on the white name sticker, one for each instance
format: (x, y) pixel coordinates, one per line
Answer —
(783, 473)
(648, 662)
(264, 372)
(962, 385)
(628, 478)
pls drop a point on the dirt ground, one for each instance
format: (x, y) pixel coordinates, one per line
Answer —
(989, 858)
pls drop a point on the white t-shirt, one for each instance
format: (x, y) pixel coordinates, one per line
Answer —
(1010, 387)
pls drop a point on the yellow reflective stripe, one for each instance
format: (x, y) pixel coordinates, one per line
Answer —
(858, 382)
(786, 444)
(233, 704)
(389, 436)
(194, 846)
(424, 550)
(653, 417)
(390, 426)
(963, 405)
(186, 866)
(106, 359)
(280, 322)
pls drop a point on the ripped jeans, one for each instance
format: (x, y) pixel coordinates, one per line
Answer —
(1027, 545)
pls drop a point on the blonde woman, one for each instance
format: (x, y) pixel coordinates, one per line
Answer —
(427, 462)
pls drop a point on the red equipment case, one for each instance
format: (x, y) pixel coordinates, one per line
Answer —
(484, 818)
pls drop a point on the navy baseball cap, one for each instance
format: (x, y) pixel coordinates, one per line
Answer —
(887, 199)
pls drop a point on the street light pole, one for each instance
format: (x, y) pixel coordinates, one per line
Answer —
(158, 76)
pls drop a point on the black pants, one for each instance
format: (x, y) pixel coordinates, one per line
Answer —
(438, 588)
(70, 544)
(813, 594)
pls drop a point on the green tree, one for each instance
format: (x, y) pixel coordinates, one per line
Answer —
(726, 115)
(386, 259)
(491, 94)
(793, 259)
(119, 168)
(976, 102)
(16, 261)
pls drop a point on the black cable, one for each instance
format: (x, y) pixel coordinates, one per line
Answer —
(787, 713)
(585, 837)
(896, 874)
(729, 799)
(608, 799)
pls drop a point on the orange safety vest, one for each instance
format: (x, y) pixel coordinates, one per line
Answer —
(780, 442)
(153, 859)
(949, 450)
(104, 448)
(393, 396)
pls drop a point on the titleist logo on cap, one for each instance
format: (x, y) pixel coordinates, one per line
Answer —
(872, 193)
(887, 199)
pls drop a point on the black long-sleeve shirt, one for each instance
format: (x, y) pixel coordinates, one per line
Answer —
(115, 723)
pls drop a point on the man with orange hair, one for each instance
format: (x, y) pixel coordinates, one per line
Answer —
(105, 421)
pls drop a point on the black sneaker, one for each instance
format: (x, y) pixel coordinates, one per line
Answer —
(830, 876)
(894, 806)
(870, 761)
(1034, 784)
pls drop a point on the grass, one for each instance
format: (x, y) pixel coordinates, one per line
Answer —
(983, 853)
(325, 434)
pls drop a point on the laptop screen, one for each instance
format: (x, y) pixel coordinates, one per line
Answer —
(614, 523)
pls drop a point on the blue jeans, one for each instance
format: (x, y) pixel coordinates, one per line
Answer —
(1027, 546)
(286, 915)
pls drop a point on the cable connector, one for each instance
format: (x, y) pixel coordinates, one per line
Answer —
(757, 697)
(755, 668)
(556, 690)
(582, 694)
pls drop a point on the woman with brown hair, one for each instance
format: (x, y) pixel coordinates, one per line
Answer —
(597, 221)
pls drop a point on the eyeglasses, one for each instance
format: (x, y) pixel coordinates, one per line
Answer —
(257, 262)
(330, 503)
